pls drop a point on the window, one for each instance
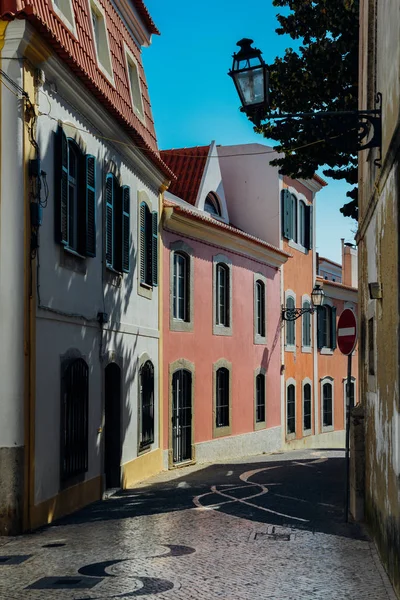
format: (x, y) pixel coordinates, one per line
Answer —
(181, 416)
(306, 325)
(75, 196)
(302, 223)
(63, 8)
(148, 235)
(74, 418)
(290, 325)
(134, 83)
(260, 398)
(146, 405)
(222, 398)
(181, 287)
(371, 347)
(326, 321)
(100, 38)
(306, 407)
(117, 225)
(260, 308)
(291, 409)
(222, 293)
(211, 205)
(327, 405)
(296, 225)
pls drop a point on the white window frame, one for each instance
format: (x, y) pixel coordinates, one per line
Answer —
(107, 70)
(324, 380)
(66, 14)
(130, 61)
(306, 381)
(290, 381)
(327, 349)
(306, 349)
(259, 339)
(296, 245)
(354, 382)
(290, 347)
(217, 328)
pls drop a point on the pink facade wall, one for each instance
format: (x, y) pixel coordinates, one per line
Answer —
(202, 348)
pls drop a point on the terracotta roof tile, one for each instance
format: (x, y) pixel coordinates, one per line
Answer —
(79, 53)
(188, 165)
(144, 13)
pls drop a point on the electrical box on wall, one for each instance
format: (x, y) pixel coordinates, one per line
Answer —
(34, 167)
(36, 214)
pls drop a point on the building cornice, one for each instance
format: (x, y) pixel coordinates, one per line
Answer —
(312, 184)
(133, 23)
(338, 291)
(206, 231)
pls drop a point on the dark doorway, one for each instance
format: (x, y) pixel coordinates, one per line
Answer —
(112, 426)
(181, 416)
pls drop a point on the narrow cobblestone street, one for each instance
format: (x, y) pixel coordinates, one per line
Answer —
(265, 527)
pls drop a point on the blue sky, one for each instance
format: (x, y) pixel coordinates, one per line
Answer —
(193, 99)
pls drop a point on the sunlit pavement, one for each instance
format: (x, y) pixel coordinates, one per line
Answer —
(262, 527)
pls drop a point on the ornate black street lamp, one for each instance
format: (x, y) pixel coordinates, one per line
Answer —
(251, 78)
(317, 299)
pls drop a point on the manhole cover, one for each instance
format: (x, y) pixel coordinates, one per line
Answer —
(273, 533)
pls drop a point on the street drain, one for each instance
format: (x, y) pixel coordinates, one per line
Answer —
(274, 534)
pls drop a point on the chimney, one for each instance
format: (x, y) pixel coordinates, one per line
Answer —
(349, 264)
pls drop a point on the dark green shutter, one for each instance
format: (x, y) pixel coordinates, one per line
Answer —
(90, 197)
(142, 236)
(320, 327)
(287, 214)
(154, 249)
(309, 227)
(126, 228)
(333, 317)
(109, 220)
(61, 187)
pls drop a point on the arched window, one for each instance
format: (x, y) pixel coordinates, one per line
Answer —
(306, 325)
(180, 292)
(146, 405)
(306, 407)
(74, 419)
(222, 398)
(260, 398)
(211, 204)
(302, 224)
(222, 295)
(291, 409)
(290, 325)
(182, 415)
(294, 217)
(327, 405)
(260, 308)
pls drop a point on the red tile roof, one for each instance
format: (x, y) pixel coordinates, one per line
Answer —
(144, 13)
(188, 165)
(220, 225)
(79, 54)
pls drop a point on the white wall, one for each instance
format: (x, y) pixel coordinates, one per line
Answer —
(252, 189)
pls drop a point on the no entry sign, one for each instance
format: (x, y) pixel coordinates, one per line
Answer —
(347, 332)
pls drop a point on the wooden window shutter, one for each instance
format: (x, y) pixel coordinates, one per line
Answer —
(90, 202)
(320, 327)
(126, 228)
(286, 214)
(61, 187)
(309, 227)
(110, 220)
(142, 238)
(154, 249)
(333, 327)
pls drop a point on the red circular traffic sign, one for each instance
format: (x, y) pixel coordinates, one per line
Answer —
(347, 332)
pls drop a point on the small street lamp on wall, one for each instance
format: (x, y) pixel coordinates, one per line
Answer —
(317, 299)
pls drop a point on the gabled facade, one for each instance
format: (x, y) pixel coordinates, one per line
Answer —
(81, 178)
(221, 312)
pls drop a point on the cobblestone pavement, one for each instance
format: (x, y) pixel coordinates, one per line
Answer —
(268, 527)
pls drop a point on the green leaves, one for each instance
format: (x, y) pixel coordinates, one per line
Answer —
(322, 75)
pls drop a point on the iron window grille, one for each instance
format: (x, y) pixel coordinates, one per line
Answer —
(307, 407)
(75, 196)
(260, 398)
(327, 412)
(260, 308)
(222, 295)
(182, 415)
(74, 419)
(291, 409)
(180, 295)
(146, 404)
(222, 398)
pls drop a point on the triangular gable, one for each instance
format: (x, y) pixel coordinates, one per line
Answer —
(212, 182)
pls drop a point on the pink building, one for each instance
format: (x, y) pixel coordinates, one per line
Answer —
(221, 322)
